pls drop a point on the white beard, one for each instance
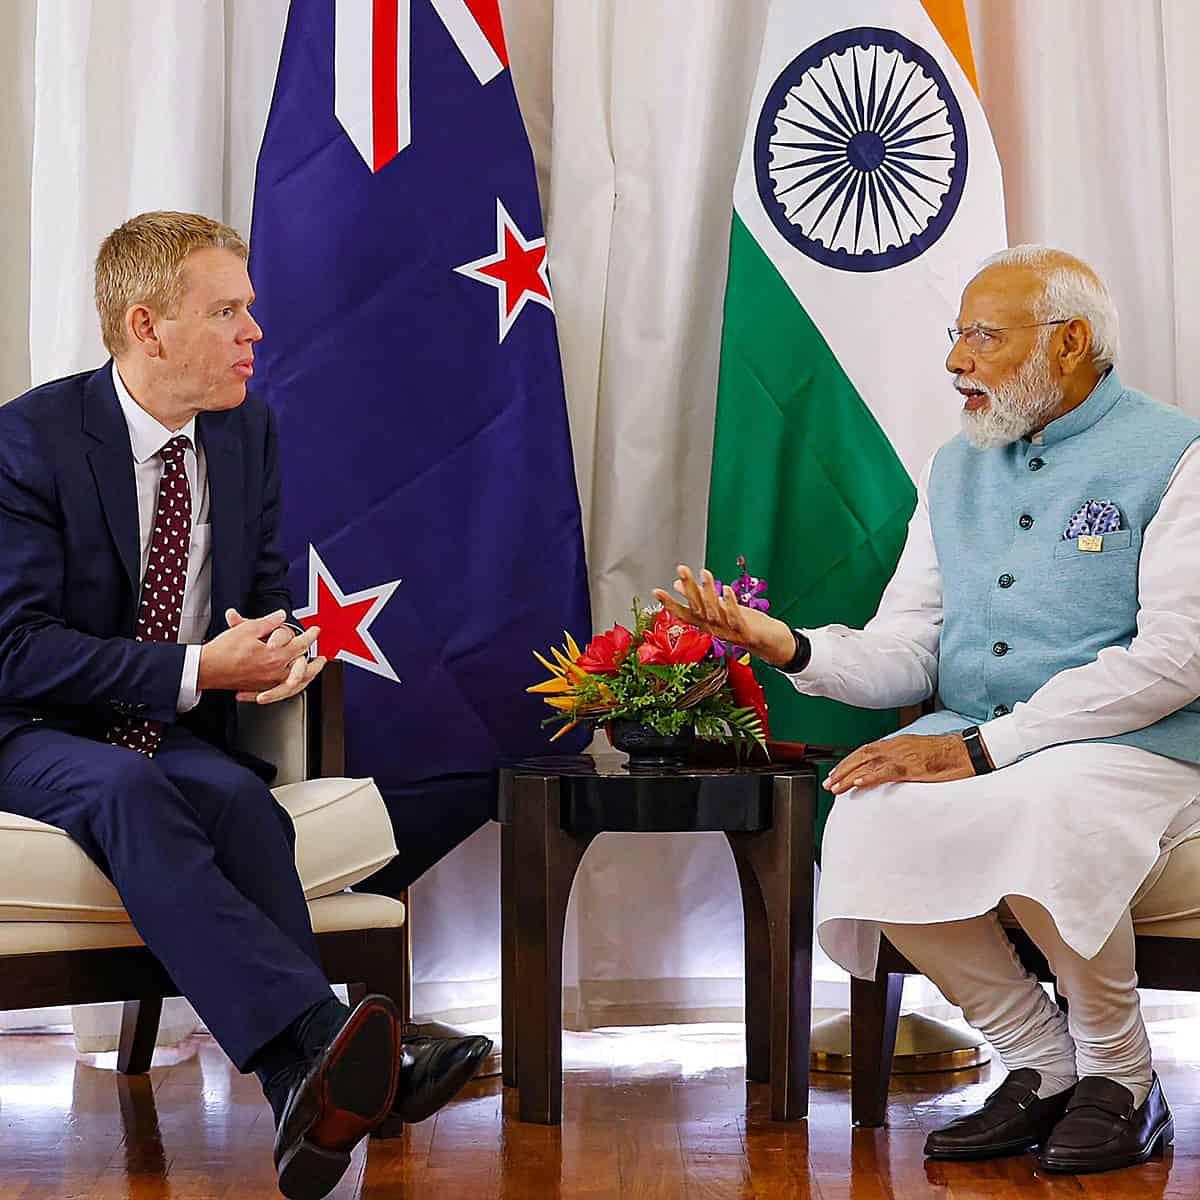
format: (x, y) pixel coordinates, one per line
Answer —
(1016, 408)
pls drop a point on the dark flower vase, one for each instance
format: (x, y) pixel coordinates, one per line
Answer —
(647, 747)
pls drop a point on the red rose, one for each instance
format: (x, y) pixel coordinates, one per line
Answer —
(669, 642)
(747, 691)
(604, 653)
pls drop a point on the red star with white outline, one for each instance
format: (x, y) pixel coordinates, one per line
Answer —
(517, 270)
(345, 620)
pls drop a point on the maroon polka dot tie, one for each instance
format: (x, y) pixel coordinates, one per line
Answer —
(161, 605)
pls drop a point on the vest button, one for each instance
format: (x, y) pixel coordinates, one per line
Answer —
(1005, 581)
(1036, 464)
(1000, 649)
(1000, 710)
(1026, 521)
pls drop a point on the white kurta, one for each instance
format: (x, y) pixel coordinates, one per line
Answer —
(1077, 826)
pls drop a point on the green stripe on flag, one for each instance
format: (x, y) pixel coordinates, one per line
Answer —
(805, 483)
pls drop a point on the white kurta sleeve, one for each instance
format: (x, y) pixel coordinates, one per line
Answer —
(1127, 688)
(893, 660)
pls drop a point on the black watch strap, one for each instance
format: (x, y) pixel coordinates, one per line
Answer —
(974, 742)
(800, 658)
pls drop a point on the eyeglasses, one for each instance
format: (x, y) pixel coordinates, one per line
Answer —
(981, 339)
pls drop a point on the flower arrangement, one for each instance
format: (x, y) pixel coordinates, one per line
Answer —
(662, 674)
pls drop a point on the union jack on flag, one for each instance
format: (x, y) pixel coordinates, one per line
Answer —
(373, 61)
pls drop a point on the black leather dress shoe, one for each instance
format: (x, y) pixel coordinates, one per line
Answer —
(432, 1071)
(342, 1096)
(1011, 1121)
(1103, 1131)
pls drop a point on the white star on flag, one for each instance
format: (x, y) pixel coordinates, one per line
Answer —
(517, 270)
(345, 620)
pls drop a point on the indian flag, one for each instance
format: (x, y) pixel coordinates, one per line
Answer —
(867, 193)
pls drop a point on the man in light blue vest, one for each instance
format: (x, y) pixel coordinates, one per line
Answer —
(1046, 595)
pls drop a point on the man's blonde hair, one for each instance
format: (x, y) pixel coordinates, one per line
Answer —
(141, 262)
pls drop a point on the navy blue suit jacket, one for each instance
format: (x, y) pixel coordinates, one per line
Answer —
(69, 558)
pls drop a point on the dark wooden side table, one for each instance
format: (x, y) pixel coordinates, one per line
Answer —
(550, 809)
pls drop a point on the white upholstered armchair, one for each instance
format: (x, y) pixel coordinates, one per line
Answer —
(65, 939)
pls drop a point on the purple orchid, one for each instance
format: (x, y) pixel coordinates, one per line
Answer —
(748, 590)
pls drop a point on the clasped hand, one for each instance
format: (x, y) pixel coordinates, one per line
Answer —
(259, 658)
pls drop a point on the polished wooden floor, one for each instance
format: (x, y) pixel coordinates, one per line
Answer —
(647, 1116)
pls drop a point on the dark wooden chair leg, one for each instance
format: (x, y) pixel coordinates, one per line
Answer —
(508, 958)
(545, 866)
(874, 1014)
(782, 862)
(388, 974)
(139, 1030)
(758, 975)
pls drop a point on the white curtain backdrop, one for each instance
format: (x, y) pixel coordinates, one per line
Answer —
(636, 110)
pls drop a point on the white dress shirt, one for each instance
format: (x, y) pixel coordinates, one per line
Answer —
(147, 437)
(893, 661)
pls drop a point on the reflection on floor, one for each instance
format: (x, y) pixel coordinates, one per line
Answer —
(648, 1113)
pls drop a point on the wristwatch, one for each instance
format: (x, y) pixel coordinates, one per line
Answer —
(800, 657)
(974, 743)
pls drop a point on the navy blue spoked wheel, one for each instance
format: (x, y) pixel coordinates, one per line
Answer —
(860, 154)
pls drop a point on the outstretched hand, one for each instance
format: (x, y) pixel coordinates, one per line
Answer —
(725, 618)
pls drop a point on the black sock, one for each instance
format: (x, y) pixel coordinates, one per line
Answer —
(275, 1064)
(278, 1087)
(280, 1052)
(283, 1059)
(314, 1029)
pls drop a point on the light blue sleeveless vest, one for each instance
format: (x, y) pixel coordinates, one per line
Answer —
(1021, 603)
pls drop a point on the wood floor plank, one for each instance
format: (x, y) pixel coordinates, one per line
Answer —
(631, 1130)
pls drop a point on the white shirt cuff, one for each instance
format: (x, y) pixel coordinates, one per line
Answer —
(817, 655)
(189, 696)
(1002, 739)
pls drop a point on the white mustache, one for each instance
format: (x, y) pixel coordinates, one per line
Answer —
(961, 385)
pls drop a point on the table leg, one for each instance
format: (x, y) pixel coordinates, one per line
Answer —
(782, 862)
(758, 974)
(545, 860)
(508, 957)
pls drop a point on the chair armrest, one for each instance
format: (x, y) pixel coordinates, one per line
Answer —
(304, 737)
(913, 712)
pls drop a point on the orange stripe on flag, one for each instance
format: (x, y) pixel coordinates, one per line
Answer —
(950, 17)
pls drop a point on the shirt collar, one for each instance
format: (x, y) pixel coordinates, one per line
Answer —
(146, 435)
(1101, 399)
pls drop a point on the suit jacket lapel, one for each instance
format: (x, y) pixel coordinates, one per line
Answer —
(227, 510)
(111, 461)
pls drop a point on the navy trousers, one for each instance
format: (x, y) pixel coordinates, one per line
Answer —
(202, 857)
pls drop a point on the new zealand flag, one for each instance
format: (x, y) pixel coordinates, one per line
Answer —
(431, 514)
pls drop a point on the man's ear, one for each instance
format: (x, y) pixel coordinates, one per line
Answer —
(141, 331)
(1075, 348)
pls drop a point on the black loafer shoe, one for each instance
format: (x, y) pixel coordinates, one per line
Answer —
(1103, 1131)
(1011, 1121)
(346, 1092)
(432, 1070)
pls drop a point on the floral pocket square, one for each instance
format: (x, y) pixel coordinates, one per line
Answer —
(1096, 516)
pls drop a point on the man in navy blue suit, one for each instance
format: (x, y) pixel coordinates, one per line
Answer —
(142, 591)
